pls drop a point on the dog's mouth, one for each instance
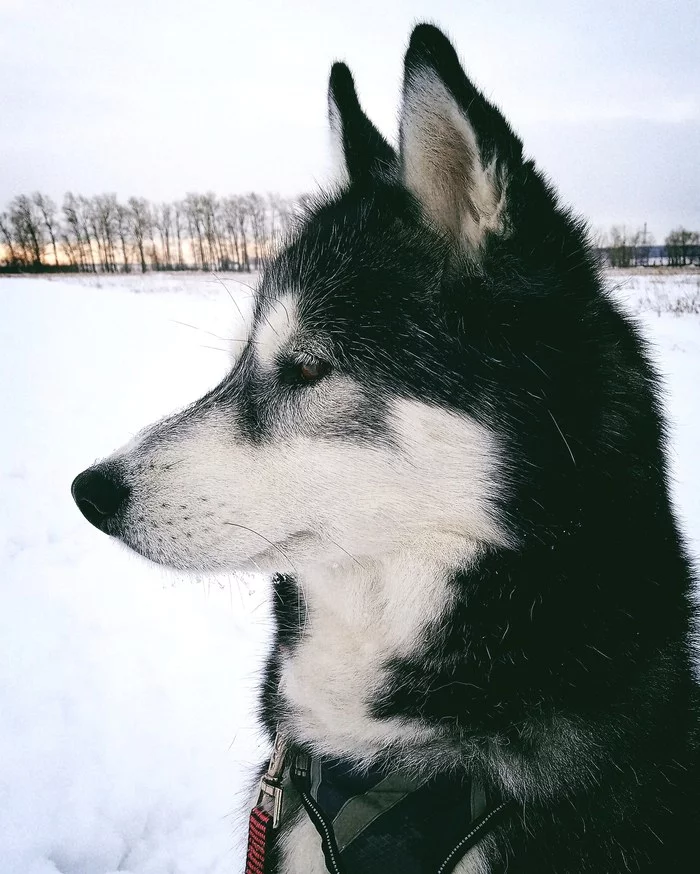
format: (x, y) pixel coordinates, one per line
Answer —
(183, 553)
(280, 554)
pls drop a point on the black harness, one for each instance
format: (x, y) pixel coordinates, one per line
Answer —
(375, 822)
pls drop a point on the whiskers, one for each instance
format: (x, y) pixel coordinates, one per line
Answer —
(302, 612)
(228, 292)
(275, 546)
(349, 554)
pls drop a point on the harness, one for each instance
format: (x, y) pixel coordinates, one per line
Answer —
(375, 822)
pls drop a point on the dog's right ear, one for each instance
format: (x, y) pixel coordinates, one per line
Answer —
(458, 152)
(362, 151)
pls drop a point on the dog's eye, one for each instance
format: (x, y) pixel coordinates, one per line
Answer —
(311, 370)
(303, 373)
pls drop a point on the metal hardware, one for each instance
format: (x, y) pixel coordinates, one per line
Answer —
(270, 789)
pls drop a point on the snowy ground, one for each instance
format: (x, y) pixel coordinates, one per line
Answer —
(126, 694)
(666, 305)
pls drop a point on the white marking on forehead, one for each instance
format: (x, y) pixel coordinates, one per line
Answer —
(277, 326)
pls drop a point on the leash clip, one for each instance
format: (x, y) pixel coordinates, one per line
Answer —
(270, 789)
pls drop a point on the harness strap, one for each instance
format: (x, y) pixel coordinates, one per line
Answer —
(373, 822)
(355, 839)
(486, 822)
(300, 774)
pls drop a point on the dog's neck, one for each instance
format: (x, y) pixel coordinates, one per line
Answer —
(360, 614)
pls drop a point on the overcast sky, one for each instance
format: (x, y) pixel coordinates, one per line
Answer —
(161, 97)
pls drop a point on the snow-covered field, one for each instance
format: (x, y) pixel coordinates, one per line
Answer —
(126, 694)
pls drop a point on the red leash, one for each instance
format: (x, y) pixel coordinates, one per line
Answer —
(259, 834)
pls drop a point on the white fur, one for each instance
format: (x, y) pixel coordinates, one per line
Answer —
(276, 330)
(474, 862)
(358, 618)
(442, 162)
(301, 848)
(307, 500)
(339, 170)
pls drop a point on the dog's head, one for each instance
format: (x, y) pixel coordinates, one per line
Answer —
(404, 366)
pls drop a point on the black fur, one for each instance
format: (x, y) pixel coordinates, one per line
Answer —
(366, 151)
(564, 669)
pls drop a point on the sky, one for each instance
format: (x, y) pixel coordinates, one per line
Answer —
(160, 97)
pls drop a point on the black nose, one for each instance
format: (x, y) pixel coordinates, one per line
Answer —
(101, 495)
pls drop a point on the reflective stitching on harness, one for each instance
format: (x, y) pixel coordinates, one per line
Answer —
(418, 823)
(477, 828)
(320, 823)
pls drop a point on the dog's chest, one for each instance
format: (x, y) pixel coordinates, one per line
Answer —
(328, 683)
(356, 622)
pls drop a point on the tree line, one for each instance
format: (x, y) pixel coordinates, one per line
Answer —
(207, 232)
(622, 247)
(103, 234)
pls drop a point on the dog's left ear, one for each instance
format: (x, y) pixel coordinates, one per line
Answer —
(457, 150)
(362, 150)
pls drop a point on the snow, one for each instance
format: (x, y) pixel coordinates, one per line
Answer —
(666, 305)
(127, 694)
(127, 735)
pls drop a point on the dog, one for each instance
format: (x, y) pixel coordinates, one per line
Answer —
(445, 442)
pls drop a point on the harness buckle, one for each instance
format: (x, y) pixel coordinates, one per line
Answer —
(270, 794)
(270, 788)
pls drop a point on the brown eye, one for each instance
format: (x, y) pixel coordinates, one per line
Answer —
(304, 373)
(312, 370)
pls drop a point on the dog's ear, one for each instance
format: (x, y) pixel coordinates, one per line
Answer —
(457, 150)
(362, 150)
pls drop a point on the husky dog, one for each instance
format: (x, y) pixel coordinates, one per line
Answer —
(446, 442)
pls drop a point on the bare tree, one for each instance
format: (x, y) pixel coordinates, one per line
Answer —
(71, 251)
(84, 213)
(122, 224)
(163, 220)
(47, 209)
(242, 215)
(681, 247)
(139, 216)
(207, 212)
(193, 212)
(151, 236)
(72, 233)
(178, 215)
(258, 216)
(92, 221)
(28, 229)
(105, 208)
(6, 234)
(229, 215)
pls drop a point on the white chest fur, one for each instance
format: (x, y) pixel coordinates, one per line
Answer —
(358, 618)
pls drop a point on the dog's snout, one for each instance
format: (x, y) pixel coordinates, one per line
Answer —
(101, 494)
